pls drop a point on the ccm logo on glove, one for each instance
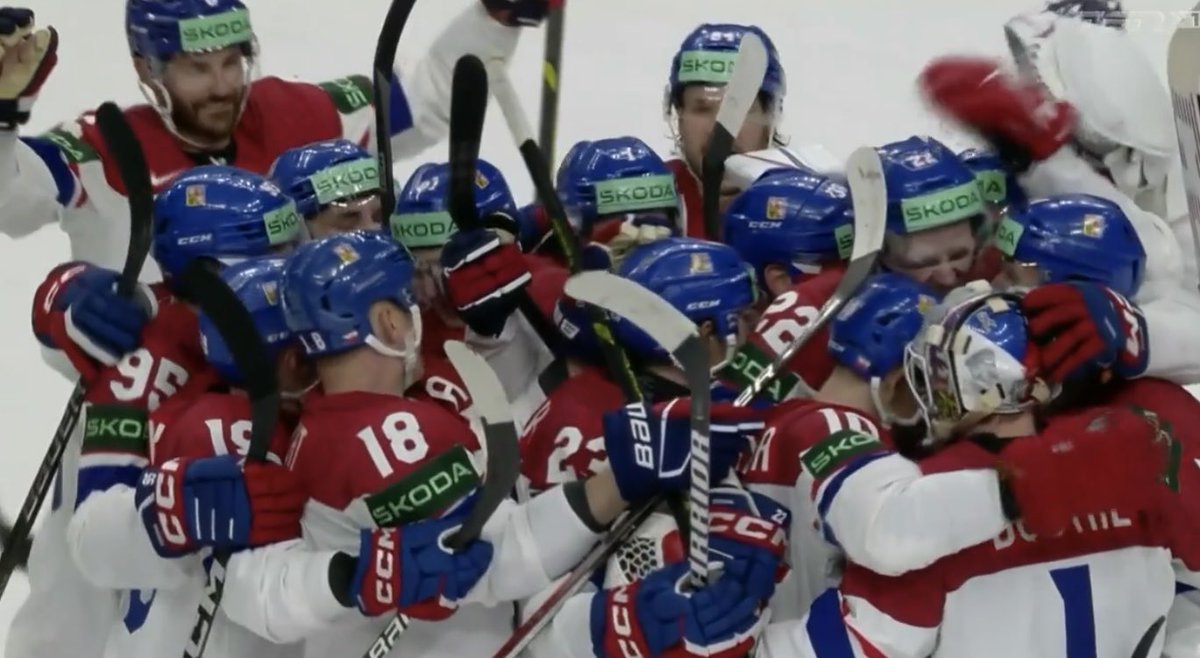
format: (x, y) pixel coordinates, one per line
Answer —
(744, 525)
(622, 624)
(166, 489)
(385, 569)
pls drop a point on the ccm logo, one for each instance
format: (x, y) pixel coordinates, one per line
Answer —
(743, 525)
(622, 624)
(385, 567)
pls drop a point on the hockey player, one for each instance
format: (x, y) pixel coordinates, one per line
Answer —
(1113, 564)
(131, 356)
(695, 86)
(422, 223)
(1060, 145)
(934, 209)
(791, 225)
(147, 539)
(196, 65)
(335, 184)
(348, 299)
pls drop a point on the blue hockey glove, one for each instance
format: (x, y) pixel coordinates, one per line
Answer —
(657, 616)
(79, 305)
(649, 448)
(411, 570)
(748, 536)
(216, 502)
(1085, 328)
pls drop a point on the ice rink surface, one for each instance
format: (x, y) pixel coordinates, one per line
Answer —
(850, 66)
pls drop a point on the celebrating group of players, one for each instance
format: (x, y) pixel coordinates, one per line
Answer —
(988, 451)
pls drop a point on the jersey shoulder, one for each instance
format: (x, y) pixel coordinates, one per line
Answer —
(441, 385)
(350, 445)
(796, 427)
(564, 438)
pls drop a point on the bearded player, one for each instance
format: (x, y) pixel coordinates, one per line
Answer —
(196, 65)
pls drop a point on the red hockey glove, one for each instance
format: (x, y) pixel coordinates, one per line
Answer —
(1099, 460)
(1022, 122)
(485, 277)
(1084, 327)
(26, 59)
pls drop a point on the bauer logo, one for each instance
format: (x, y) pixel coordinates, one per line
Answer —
(632, 194)
(215, 32)
(432, 487)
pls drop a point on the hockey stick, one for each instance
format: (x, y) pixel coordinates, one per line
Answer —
(208, 291)
(503, 464)
(23, 550)
(468, 109)
(741, 92)
(122, 144)
(381, 73)
(1183, 76)
(551, 78)
(868, 194)
(1142, 650)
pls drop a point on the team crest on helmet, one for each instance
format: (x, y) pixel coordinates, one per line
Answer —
(925, 303)
(481, 181)
(194, 196)
(701, 263)
(776, 207)
(270, 290)
(346, 253)
(1093, 226)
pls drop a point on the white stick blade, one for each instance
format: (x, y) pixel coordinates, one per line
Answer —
(646, 310)
(868, 194)
(741, 91)
(484, 387)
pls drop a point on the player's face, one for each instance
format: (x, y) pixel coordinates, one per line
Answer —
(364, 214)
(206, 92)
(1018, 275)
(697, 116)
(939, 257)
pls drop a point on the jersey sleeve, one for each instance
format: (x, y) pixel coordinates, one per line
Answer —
(36, 182)
(871, 503)
(110, 546)
(869, 616)
(281, 592)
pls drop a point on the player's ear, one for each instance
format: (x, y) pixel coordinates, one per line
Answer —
(388, 324)
(776, 280)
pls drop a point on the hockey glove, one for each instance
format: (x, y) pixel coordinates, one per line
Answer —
(1021, 121)
(77, 310)
(410, 569)
(214, 502)
(1085, 328)
(27, 56)
(658, 616)
(649, 449)
(1112, 459)
(485, 277)
(526, 13)
(748, 536)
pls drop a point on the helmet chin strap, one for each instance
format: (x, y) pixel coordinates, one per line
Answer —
(411, 354)
(886, 417)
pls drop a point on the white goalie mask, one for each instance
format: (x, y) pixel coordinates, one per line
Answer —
(972, 359)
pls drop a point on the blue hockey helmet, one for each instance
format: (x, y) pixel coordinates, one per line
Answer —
(330, 285)
(256, 283)
(999, 188)
(706, 57)
(615, 177)
(422, 217)
(792, 218)
(972, 359)
(161, 29)
(223, 213)
(706, 281)
(1075, 237)
(928, 186)
(318, 174)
